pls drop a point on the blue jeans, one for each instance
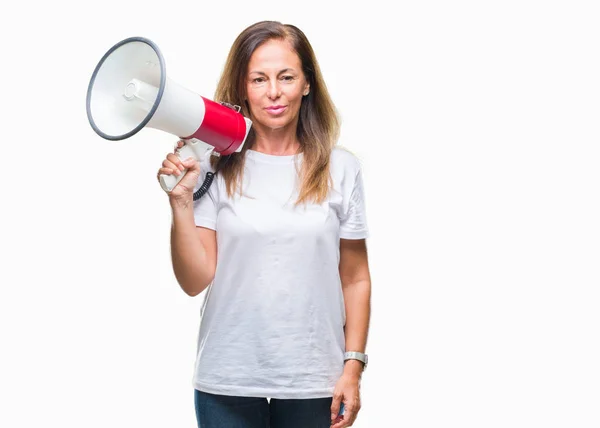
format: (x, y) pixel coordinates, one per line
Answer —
(222, 411)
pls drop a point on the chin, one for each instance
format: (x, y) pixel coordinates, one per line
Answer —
(278, 123)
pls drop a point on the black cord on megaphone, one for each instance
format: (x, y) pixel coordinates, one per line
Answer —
(204, 187)
(208, 181)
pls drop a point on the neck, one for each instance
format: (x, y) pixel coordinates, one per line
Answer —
(278, 142)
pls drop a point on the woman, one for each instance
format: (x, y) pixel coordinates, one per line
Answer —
(280, 239)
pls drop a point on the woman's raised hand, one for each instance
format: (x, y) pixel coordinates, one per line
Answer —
(173, 165)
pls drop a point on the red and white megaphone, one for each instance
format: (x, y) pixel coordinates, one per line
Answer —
(129, 90)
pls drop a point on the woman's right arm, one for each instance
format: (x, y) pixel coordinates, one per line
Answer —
(193, 248)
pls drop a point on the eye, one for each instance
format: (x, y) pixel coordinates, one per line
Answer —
(288, 78)
(258, 80)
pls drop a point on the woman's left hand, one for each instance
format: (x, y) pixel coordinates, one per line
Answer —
(347, 391)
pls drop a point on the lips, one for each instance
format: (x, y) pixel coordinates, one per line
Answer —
(275, 110)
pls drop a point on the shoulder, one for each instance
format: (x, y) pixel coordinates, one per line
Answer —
(343, 159)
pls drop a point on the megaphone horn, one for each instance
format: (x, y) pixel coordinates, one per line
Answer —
(129, 90)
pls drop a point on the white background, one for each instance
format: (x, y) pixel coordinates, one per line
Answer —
(477, 125)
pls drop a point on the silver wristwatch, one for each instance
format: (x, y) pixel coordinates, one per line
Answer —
(353, 355)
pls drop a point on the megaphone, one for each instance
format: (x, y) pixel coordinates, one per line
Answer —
(129, 90)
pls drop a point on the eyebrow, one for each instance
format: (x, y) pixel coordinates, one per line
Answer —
(264, 74)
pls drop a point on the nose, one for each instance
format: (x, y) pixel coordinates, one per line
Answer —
(274, 91)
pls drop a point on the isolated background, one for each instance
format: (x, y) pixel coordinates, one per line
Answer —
(477, 126)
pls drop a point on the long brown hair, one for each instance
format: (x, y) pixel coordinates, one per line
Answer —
(318, 123)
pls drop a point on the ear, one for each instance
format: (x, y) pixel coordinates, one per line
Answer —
(306, 89)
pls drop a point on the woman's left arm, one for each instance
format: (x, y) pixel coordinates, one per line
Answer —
(356, 286)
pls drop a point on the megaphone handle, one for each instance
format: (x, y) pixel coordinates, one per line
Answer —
(193, 148)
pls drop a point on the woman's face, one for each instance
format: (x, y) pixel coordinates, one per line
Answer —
(275, 85)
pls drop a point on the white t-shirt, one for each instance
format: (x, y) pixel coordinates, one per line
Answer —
(273, 317)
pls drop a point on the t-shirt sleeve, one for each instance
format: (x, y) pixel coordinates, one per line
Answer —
(205, 208)
(353, 224)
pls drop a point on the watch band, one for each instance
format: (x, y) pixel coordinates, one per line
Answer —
(354, 355)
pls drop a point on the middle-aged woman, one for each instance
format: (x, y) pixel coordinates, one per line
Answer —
(279, 240)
